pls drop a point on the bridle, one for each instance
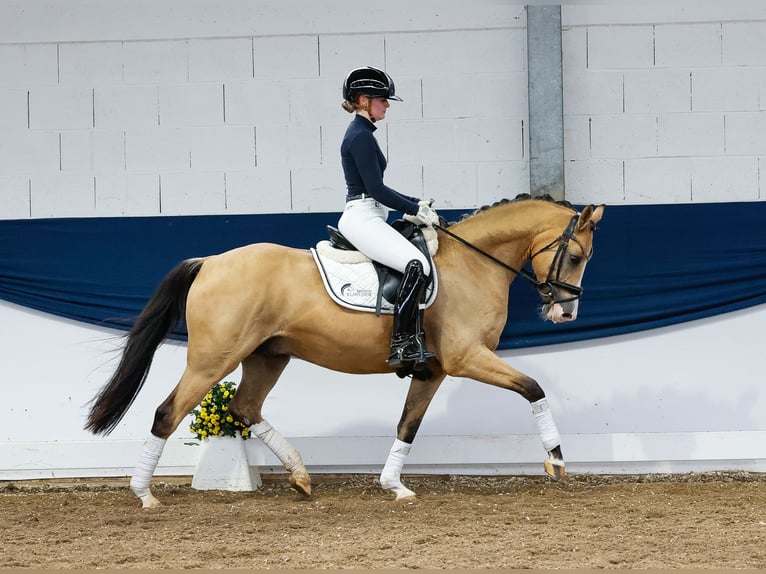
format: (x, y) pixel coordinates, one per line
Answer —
(553, 283)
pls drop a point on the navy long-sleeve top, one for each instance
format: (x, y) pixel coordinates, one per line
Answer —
(363, 166)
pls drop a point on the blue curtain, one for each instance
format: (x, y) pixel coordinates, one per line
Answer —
(653, 265)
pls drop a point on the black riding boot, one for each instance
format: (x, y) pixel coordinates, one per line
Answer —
(408, 347)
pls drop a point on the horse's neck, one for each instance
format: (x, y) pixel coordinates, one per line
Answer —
(506, 232)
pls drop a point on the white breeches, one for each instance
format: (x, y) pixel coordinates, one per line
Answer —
(364, 224)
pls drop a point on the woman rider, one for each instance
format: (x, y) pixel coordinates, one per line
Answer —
(366, 93)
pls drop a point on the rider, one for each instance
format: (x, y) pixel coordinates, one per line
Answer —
(366, 92)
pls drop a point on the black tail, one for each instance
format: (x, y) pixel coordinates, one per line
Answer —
(163, 311)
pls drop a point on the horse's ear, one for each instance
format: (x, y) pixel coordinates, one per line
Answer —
(591, 215)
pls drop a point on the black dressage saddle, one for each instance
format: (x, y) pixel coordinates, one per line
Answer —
(388, 279)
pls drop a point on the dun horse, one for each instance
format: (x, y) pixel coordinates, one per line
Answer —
(262, 304)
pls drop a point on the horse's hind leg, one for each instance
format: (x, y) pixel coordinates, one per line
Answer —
(259, 375)
(187, 394)
(418, 398)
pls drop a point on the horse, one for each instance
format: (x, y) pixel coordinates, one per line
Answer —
(261, 304)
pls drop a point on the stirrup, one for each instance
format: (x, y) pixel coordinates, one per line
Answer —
(408, 350)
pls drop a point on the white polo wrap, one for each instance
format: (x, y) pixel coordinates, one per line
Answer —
(146, 465)
(545, 424)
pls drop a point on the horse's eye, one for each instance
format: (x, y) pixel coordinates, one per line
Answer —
(575, 259)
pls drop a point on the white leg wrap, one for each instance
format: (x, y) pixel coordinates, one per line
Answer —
(147, 463)
(390, 478)
(547, 427)
(284, 451)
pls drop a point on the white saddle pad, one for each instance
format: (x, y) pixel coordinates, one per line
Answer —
(351, 280)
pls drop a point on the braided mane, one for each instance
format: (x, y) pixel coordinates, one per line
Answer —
(520, 197)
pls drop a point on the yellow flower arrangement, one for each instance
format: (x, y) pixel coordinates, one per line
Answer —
(212, 418)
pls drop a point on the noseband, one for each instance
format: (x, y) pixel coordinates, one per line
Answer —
(547, 289)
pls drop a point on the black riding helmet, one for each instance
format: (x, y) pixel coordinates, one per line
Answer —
(370, 82)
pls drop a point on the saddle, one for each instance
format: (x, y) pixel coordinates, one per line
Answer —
(355, 281)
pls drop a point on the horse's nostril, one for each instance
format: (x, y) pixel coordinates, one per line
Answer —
(567, 315)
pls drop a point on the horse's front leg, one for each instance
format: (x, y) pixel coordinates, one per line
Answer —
(485, 366)
(418, 398)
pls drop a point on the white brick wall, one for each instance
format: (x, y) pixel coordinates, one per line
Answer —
(124, 114)
(171, 111)
(664, 103)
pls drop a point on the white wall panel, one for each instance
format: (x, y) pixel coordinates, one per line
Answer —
(661, 415)
(691, 134)
(122, 106)
(450, 97)
(725, 179)
(593, 92)
(574, 47)
(452, 183)
(60, 107)
(687, 45)
(286, 57)
(488, 139)
(29, 152)
(30, 21)
(577, 135)
(127, 194)
(28, 65)
(649, 91)
(13, 110)
(62, 195)
(197, 193)
(744, 43)
(410, 89)
(620, 47)
(500, 94)
(406, 178)
(97, 151)
(431, 140)
(340, 53)
(90, 63)
(496, 180)
(595, 178)
(289, 145)
(623, 136)
(658, 180)
(220, 59)
(257, 102)
(14, 190)
(222, 148)
(191, 105)
(612, 13)
(156, 149)
(746, 133)
(727, 89)
(260, 190)
(156, 62)
(318, 189)
(313, 99)
(458, 52)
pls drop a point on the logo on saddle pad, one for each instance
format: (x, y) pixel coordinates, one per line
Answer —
(352, 292)
(354, 282)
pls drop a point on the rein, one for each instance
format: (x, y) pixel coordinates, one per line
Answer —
(544, 288)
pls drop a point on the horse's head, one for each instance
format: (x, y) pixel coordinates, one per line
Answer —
(559, 259)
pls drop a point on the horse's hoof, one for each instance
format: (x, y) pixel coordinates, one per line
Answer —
(398, 489)
(148, 501)
(301, 481)
(555, 469)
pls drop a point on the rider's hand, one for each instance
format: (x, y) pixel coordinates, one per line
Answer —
(426, 214)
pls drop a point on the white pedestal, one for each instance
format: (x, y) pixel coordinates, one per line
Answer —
(223, 465)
